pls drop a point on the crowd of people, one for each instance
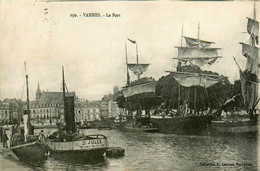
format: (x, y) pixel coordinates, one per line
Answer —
(64, 136)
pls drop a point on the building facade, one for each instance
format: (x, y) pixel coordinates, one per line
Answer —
(47, 109)
(108, 105)
(10, 111)
(86, 111)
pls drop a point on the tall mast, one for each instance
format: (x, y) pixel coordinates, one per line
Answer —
(199, 31)
(195, 90)
(137, 60)
(254, 14)
(250, 51)
(27, 99)
(27, 87)
(128, 78)
(138, 76)
(63, 90)
(181, 34)
(178, 68)
(127, 72)
(63, 85)
(254, 17)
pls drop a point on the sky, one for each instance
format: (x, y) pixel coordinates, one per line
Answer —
(92, 49)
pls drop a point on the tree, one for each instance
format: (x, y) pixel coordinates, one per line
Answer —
(167, 90)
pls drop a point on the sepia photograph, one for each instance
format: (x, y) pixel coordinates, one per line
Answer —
(120, 85)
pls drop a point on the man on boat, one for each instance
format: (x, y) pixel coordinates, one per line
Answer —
(69, 136)
(41, 136)
(62, 136)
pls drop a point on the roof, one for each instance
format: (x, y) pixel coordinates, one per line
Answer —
(52, 98)
(88, 104)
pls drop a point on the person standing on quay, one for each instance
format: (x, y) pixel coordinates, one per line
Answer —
(5, 138)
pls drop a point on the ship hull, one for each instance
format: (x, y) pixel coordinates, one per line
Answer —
(247, 128)
(79, 155)
(189, 125)
(33, 151)
(124, 128)
(86, 149)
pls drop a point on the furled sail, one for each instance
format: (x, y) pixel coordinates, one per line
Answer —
(252, 55)
(249, 78)
(198, 56)
(200, 62)
(192, 42)
(138, 69)
(138, 89)
(193, 52)
(253, 28)
(195, 79)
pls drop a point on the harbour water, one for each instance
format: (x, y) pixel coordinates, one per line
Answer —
(155, 151)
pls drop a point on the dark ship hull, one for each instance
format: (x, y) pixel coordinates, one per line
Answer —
(128, 128)
(242, 127)
(79, 155)
(33, 151)
(189, 125)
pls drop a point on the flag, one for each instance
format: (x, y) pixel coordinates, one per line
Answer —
(133, 41)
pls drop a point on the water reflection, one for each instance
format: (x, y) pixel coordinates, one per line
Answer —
(155, 151)
(55, 163)
(76, 160)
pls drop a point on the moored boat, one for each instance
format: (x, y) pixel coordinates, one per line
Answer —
(32, 150)
(129, 127)
(134, 94)
(242, 127)
(192, 83)
(249, 79)
(194, 125)
(68, 143)
(82, 147)
(23, 143)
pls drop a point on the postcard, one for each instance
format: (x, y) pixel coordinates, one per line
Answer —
(129, 85)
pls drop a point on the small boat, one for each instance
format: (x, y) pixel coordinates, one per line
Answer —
(23, 143)
(32, 150)
(247, 125)
(134, 128)
(84, 126)
(131, 126)
(67, 143)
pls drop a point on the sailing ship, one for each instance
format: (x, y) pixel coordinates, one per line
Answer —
(68, 144)
(187, 119)
(132, 92)
(248, 125)
(23, 143)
